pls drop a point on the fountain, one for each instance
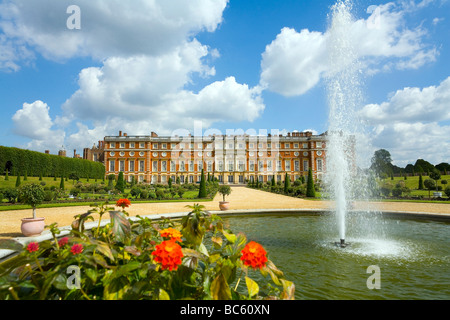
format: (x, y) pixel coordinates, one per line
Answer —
(344, 98)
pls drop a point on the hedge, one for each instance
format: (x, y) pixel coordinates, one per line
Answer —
(36, 163)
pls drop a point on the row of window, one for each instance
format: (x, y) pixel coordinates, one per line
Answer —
(229, 178)
(209, 154)
(157, 146)
(240, 165)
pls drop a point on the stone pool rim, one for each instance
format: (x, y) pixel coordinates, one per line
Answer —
(6, 254)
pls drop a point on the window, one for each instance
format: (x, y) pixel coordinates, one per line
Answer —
(155, 146)
(269, 145)
(230, 166)
(142, 145)
(252, 165)
(209, 166)
(260, 145)
(131, 165)
(141, 178)
(241, 179)
(191, 179)
(230, 179)
(164, 166)
(278, 145)
(182, 167)
(121, 165)
(260, 165)
(269, 165)
(163, 179)
(296, 165)
(200, 165)
(305, 165)
(241, 166)
(112, 165)
(305, 145)
(296, 145)
(155, 166)
(287, 145)
(141, 165)
(173, 145)
(112, 144)
(164, 146)
(191, 165)
(251, 145)
(173, 166)
(318, 144)
(220, 166)
(319, 165)
(122, 145)
(278, 165)
(287, 165)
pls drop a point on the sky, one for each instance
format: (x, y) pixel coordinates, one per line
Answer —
(73, 72)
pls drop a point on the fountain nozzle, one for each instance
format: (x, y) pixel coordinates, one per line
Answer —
(341, 244)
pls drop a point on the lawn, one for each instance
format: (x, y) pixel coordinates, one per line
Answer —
(413, 184)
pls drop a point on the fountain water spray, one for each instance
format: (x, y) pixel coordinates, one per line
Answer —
(344, 98)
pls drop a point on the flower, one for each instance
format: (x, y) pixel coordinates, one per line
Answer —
(124, 203)
(63, 241)
(33, 246)
(77, 248)
(168, 254)
(171, 233)
(254, 255)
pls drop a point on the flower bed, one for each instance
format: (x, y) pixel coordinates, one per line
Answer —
(195, 258)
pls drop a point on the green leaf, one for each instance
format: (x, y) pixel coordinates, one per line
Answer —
(217, 242)
(121, 227)
(220, 289)
(252, 287)
(229, 236)
(163, 295)
(11, 244)
(91, 274)
(288, 290)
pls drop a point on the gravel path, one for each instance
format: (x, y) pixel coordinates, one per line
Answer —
(240, 198)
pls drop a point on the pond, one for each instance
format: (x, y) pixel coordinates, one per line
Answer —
(408, 259)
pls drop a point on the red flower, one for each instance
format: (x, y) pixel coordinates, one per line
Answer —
(168, 254)
(124, 203)
(171, 233)
(33, 246)
(77, 248)
(254, 255)
(63, 241)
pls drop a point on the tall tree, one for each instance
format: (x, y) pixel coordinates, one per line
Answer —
(202, 191)
(120, 184)
(381, 162)
(310, 190)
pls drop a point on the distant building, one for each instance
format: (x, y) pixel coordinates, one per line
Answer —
(233, 159)
(96, 153)
(62, 153)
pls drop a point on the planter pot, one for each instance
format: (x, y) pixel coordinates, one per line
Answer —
(224, 205)
(32, 227)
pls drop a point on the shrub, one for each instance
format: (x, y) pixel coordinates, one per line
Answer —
(224, 190)
(447, 191)
(196, 259)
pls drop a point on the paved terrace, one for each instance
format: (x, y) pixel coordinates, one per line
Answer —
(241, 198)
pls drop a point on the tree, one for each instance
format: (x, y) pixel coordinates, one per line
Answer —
(18, 182)
(310, 190)
(169, 182)
(435, 175)
(120, 184)
(420, 182)
(287, 183)
(73, 176)
(202, 191)
(381, 162)
(32, 194)
(429, 184)
(224, 190)
(61, 184)
(273, 180)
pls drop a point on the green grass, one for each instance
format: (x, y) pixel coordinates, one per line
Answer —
(413, 183)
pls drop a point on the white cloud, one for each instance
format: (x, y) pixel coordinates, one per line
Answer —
(296, 61)
(33, 121)
(108, 28)
(410, 124)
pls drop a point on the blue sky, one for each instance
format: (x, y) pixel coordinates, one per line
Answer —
(165, 66)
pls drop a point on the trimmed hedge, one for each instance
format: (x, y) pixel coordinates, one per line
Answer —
(36, 163)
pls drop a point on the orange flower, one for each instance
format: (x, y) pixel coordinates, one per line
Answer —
(171, 234)
(254, 255)
(124, 203)
(168, 254)
(33, 246)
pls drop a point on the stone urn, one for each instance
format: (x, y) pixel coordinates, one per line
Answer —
(32, 226)
(224, 205)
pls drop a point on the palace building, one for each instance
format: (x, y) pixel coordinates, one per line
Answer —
(232, 159)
